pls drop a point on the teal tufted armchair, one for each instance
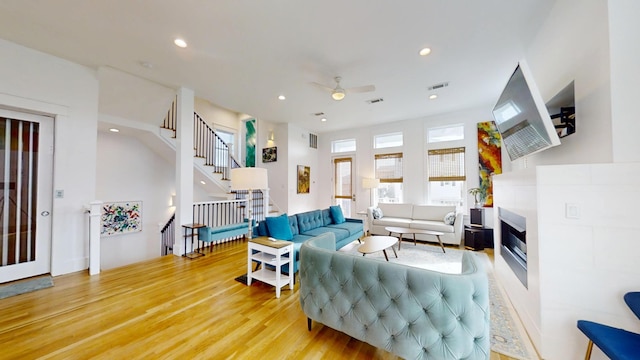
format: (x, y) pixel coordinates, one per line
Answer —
(411, 312)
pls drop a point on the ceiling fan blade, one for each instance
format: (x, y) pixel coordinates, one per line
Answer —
(324, 87)
(361, 89)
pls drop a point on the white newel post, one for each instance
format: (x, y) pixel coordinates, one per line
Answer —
(184, 167)
(95, 211)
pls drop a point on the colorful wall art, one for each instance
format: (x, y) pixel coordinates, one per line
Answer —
(121, 218)
(250, 142)
(304, 179)
(489, 160)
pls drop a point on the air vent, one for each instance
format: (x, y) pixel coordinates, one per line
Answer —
(375, 101)
(313, 141)
(438, 86)
(318, 114)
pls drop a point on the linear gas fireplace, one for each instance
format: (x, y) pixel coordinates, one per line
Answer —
(513, 230)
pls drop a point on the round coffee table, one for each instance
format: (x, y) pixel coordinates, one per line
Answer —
(402, 230)
(378, 243)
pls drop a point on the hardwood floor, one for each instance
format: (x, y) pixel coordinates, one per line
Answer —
(170, 308)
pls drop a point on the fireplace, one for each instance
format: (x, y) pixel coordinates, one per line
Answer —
(513, 238)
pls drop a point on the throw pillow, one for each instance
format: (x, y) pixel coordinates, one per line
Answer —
(450, 218)
(279, 227)
(376, 213)
(336, 214)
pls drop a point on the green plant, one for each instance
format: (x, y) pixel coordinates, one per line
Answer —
(477, 193)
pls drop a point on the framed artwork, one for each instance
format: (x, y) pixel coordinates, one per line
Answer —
(304, 179)
(489, 159)
(121, 218)
(250, 143)
(269, 154)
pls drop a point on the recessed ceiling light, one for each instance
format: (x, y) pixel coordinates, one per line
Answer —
(114, 130)
(425, 52)
(433, 97)
(180, 43)
(323, 119)
(146, 64)
(202, 182)
(282, 97)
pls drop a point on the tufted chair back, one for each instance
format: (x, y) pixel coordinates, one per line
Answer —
(411, 312)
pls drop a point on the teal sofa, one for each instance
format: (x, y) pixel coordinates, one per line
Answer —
(307, 225)
(411, 312)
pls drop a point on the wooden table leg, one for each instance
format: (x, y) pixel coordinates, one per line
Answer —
(441, 244)
(394, 251)
(414, 239)
(385, 254)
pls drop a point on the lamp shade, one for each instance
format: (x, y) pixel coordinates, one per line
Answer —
(369, 183)
(249, 178)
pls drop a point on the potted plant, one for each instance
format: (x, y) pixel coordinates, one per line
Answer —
(478, 195)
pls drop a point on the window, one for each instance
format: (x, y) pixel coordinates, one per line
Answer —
(389, 170)
(445, 133)
(446, 176)
(340, 146)
(387, 140)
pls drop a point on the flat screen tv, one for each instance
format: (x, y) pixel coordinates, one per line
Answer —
(522, 117)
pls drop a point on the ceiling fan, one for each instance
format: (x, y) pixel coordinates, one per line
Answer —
(338, 92)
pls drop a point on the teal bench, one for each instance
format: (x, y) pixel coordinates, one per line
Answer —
(212, 234)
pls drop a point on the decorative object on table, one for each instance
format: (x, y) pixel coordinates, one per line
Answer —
(476, 217)
(121, 218)
(304, 179)
(478, 196)
(250, 179)
(250, 142)
(269, 154)
(489, 158)
(370, 183)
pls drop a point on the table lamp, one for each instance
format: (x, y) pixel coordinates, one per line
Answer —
(249, 178)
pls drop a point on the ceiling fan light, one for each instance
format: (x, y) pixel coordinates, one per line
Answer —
(337, 94)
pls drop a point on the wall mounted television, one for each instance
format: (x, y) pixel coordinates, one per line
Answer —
(522, 117)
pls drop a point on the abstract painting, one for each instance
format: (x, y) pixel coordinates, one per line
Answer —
(250, 142)
(269, 154)
(304, 179)
(489, 159)
(121, 218)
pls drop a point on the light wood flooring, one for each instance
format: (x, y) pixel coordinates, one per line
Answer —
(170, 308)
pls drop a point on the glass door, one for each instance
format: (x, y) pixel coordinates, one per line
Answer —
(343, 184)
(26, 171)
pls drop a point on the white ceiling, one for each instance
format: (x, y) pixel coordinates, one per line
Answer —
(242, 54)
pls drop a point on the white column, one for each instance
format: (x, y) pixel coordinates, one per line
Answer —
(184, 166)
(94, 236)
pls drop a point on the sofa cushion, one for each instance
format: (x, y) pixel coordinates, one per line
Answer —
(279, 227)
(432, 225)
(336, 214)
(377, 213)
(309, 220)
(392, 221)
(397, 210)
(450, 218)
(339, 233)
(262, 229)
(431, 212)
(326, 217)
(352, 227)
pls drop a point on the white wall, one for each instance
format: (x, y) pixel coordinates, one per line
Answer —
(414, 154)
(33, 81)
(299, 153)
(277, 170)
(129, 171)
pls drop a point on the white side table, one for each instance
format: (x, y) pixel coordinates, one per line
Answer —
(269, 252)
(365, 216)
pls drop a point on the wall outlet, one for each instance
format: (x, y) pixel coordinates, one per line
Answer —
(59, 194)
(572, 211)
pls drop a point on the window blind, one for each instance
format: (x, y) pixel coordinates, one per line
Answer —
(446, 164)
(389, 167)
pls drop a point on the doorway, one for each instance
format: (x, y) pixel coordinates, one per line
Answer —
(343, 184)
(26, 173)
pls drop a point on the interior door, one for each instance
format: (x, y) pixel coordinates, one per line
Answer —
(26, 171)
(343, 184)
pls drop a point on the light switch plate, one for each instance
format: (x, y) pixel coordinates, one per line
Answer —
(572, 211)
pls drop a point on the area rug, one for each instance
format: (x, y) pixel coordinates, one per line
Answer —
(507, 335)
(25, 286)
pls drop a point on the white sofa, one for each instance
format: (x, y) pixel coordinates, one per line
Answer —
(425, 217)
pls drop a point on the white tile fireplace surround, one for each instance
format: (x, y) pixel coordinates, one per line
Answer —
(583, 250)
